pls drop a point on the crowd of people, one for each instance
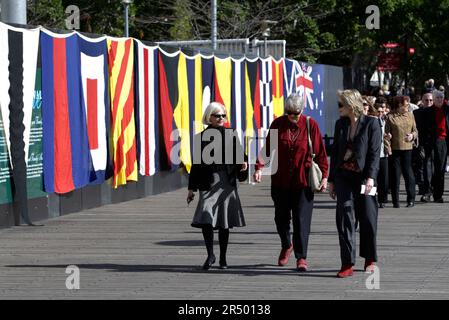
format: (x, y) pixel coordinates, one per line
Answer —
(376, 140)
(415, 138)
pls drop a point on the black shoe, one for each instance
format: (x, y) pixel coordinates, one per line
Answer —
(396, 205)
(410, 204)
(209, 262)
(381, 205)
(223, 264)
(439, 200)
(425, 198)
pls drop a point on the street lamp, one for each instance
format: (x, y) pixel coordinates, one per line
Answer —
(126, 3)
(266, 33)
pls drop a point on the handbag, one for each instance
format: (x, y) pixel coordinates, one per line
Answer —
(315, 174)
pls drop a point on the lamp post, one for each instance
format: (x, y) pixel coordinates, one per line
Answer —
(14, 11)
(214, 24)
(266, 32)
(265, 35)
(126, 3)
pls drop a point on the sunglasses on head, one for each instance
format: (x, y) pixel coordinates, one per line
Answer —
(219, 116)
(291, 113)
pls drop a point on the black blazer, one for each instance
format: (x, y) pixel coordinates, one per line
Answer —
(201, 173)
(366, 146)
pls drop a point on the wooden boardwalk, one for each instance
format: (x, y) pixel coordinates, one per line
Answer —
(146, 249)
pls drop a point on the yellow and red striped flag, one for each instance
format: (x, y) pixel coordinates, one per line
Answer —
(121, 83)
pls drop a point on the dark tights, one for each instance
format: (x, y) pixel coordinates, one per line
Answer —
(223, 238)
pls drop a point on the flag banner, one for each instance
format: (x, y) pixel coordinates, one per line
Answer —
(310, 85)
(252, 93)
(67, 160)
(238, 99)
(266, 94)
(18, 62)
(147, 116)
(95, 100)
(174, 110)
(223, 80)
(277, 90)
(289, 77)
(123, 128)
(200, 71)
(200, 79)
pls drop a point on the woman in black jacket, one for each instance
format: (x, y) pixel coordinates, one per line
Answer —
(218, 162)
(355, 163)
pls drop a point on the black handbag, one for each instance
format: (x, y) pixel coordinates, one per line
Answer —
(242, 175)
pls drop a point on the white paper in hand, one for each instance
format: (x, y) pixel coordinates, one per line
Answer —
(371, 193)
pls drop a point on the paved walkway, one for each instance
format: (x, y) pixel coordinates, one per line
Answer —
(146, 249)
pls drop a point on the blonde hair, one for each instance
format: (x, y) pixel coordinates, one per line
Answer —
(352, 99)
(211, 109)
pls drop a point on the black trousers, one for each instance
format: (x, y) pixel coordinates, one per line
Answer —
(422, 169)
(382, 181)
(439, 164)
(296, 205)
(349, 203)
(401, 161)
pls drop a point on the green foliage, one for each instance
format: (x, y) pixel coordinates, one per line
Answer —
(48, 13)
(323, 31)
(182, 29)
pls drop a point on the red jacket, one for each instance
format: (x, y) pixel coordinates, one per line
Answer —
(294, 158)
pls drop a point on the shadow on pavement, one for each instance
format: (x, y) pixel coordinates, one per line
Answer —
(246, 270)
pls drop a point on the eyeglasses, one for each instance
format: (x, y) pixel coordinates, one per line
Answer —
(291, 113)
(219, 116)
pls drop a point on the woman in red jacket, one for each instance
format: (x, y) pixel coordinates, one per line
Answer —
(291, 194)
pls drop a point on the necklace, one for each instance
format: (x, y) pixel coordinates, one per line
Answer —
(293, 135)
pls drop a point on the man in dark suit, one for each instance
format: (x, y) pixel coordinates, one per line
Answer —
(422, 154)
(437, 124)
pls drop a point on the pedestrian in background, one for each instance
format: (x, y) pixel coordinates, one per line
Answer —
(401, 130)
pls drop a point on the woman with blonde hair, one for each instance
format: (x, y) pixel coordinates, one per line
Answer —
(353, 171)
(217, 165)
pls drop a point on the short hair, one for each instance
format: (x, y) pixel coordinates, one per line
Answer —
(382, 100)
(437, 93)
(396, 101)
(426, 94)
(352, 99)
(211, 109)
(294, 103)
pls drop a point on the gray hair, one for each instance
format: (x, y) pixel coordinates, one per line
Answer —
(294, 103)
(437, 93)
(352, 99)
(211, 109)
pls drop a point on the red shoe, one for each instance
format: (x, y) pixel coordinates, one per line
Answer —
(301, 265)
(284, 256)
(345, 271)
(369, 266)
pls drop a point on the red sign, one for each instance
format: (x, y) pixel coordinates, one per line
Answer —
(391, 45)
(389, 61)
